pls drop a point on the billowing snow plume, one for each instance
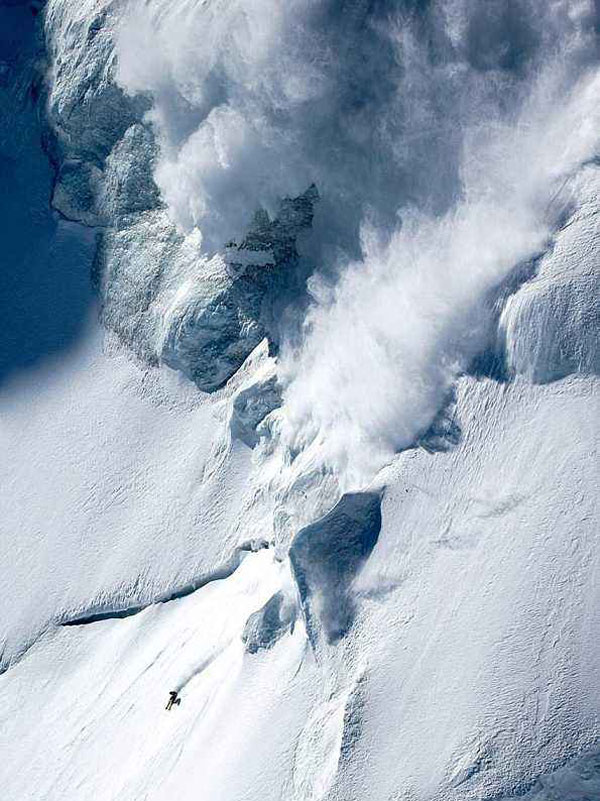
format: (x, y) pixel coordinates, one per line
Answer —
(440, 136)
(383, 344)
(254, 101)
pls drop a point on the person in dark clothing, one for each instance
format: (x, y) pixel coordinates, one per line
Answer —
(174, 699)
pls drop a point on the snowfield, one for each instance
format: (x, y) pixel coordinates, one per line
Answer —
(472, 653)
(307, 430)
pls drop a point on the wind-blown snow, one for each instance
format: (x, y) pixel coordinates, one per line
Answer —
(384, 344)
(438, 176)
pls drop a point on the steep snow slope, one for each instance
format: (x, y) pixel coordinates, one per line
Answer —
(175, 511)
(120, 462)
(106, 696)
(470, 670)
(489, 557)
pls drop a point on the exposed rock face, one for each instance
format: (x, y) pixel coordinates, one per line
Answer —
(219, 318)
(88, 111)
(214, 327)
(327, 555)
(268, 625)
(128, 187)
(253, 403)
(160, 294)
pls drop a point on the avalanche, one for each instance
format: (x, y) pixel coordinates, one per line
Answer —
(299, 400)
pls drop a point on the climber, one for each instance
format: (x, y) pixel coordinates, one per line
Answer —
(173, 699)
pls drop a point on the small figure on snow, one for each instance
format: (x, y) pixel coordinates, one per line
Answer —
(174, 699)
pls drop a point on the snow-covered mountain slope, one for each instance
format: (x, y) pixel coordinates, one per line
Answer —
(472, 654)
(304, 423)
(121, 462)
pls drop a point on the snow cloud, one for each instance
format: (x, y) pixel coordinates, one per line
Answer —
(437, 133)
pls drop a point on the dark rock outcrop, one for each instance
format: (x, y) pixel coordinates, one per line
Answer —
(327, 555)
(159, 292)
